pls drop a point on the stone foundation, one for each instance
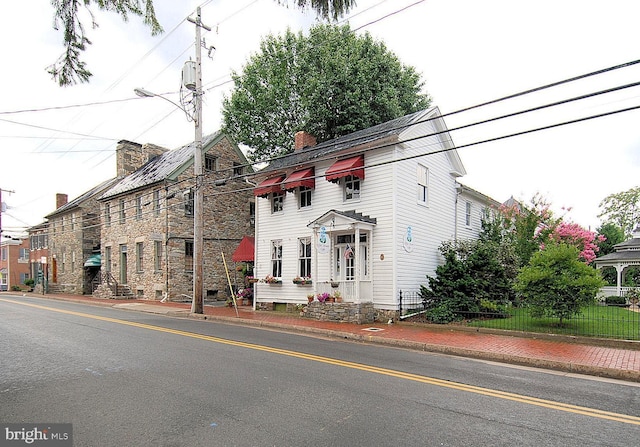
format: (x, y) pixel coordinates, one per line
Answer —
(359, 313)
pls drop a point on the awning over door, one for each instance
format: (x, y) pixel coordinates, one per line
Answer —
(93, 261)
(303, 177)
(245, 250)
(266, 187)
(342, 168)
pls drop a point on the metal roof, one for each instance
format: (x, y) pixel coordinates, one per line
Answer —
(95, 191)
(390, 129)
(159, 168)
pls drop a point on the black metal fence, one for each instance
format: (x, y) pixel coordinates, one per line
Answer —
(597, 320)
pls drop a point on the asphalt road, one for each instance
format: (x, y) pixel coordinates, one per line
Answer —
(132, 379)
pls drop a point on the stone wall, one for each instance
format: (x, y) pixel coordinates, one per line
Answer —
(341, 312)
(226, 221)
(73, 237)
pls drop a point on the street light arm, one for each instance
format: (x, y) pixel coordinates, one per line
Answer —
(147, 94)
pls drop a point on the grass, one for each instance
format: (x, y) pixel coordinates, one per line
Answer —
(593, 321)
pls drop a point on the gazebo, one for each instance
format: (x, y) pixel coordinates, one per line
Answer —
(626, 254)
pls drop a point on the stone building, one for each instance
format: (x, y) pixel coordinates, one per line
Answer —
(74, 236)
(39, 254)
(148, 216)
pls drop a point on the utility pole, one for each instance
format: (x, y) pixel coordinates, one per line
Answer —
(198, 200)
(1, 205)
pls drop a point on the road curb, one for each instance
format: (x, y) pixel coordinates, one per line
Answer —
(573, 368)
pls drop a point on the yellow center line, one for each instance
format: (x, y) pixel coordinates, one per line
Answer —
(591, 412)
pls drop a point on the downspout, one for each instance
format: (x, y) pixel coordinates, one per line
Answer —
(455, 212)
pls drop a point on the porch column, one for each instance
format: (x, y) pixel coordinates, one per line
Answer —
(314, 249)
(619, 270)
(356, 261)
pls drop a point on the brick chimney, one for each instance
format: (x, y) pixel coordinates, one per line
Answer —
(304, 139)
(61, 200)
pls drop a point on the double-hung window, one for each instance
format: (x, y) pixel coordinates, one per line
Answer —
(276, 258)
(139, 257)
(277, 202)
(467, 214)
(351, 188)
(422, 174)
(304, 257)
(304, 195)
(188, 256)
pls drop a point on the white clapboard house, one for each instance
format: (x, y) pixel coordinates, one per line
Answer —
(364, 213)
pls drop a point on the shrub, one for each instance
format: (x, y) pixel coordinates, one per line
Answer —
(615, 301)
(557, 284)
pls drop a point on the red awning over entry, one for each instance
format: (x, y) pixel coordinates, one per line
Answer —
(303, 177)
(245, 250)
(268, 186)
(342, 168)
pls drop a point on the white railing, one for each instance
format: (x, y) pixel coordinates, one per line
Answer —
(613, 291)
(347, 290)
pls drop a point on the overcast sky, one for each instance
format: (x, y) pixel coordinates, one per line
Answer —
(468, 52)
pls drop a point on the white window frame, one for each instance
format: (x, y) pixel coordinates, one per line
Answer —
(352, 188)
(422, 179)
(277, 202)
(304, 196)
(276, 258)
(304, 257)
(467, 213)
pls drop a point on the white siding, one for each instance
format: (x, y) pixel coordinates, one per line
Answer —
(389, 195)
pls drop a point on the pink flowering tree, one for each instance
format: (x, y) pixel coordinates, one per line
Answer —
(573, 234)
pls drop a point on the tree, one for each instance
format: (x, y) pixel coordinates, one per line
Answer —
(573, 234)
(477, 276)
(529, 225)
(622, 209)
(69, 69)
(609, 234)
(556, 283)
(329, 83)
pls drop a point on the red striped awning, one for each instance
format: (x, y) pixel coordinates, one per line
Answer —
(342, 168)
(266, 187)
(303, 177)
(245, 250)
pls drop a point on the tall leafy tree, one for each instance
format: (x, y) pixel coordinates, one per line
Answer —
(556, 283)
(622, 209)
(609, 234)
(329, 83)
(70, 69)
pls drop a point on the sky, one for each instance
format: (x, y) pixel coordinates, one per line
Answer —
(63, 140)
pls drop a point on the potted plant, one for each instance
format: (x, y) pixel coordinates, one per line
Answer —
(302, 280)
(322, 297)
(337, 296)
(310, 297)
(272, 280)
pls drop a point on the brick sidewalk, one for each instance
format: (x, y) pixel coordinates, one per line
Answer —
(605, 358)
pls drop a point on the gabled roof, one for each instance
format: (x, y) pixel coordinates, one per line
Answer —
(348, 216)
(94, 192)
(166, 166)
(389, 131)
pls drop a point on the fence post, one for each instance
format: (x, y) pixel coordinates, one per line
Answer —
(400, 303)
